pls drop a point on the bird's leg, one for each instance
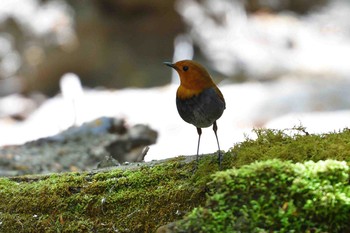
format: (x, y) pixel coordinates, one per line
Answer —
(215, 129)
(199, 131)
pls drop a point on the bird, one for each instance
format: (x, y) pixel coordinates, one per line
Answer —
(198, 100)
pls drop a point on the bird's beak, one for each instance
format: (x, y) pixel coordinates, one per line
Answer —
(170, 64)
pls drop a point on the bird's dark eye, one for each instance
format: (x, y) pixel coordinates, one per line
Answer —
(185, 68)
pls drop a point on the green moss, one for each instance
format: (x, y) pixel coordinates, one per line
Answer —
(276, 196)
(139, 199)
(294, 144)
(135, 200)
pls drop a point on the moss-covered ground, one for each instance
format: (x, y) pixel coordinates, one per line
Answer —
(275, 196)
(144, 198)
(135, 200)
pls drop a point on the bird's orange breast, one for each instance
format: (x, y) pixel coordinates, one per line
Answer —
(186, 93)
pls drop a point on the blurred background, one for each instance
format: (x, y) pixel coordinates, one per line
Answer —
(279, 64)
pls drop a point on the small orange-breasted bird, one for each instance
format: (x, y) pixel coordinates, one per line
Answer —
(199, 101)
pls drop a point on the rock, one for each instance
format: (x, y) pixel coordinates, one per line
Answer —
(131, 146)
(103, 142)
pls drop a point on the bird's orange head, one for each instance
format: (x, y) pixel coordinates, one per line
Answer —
(193, 78)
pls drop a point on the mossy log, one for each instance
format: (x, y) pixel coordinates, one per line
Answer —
(267, 196)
